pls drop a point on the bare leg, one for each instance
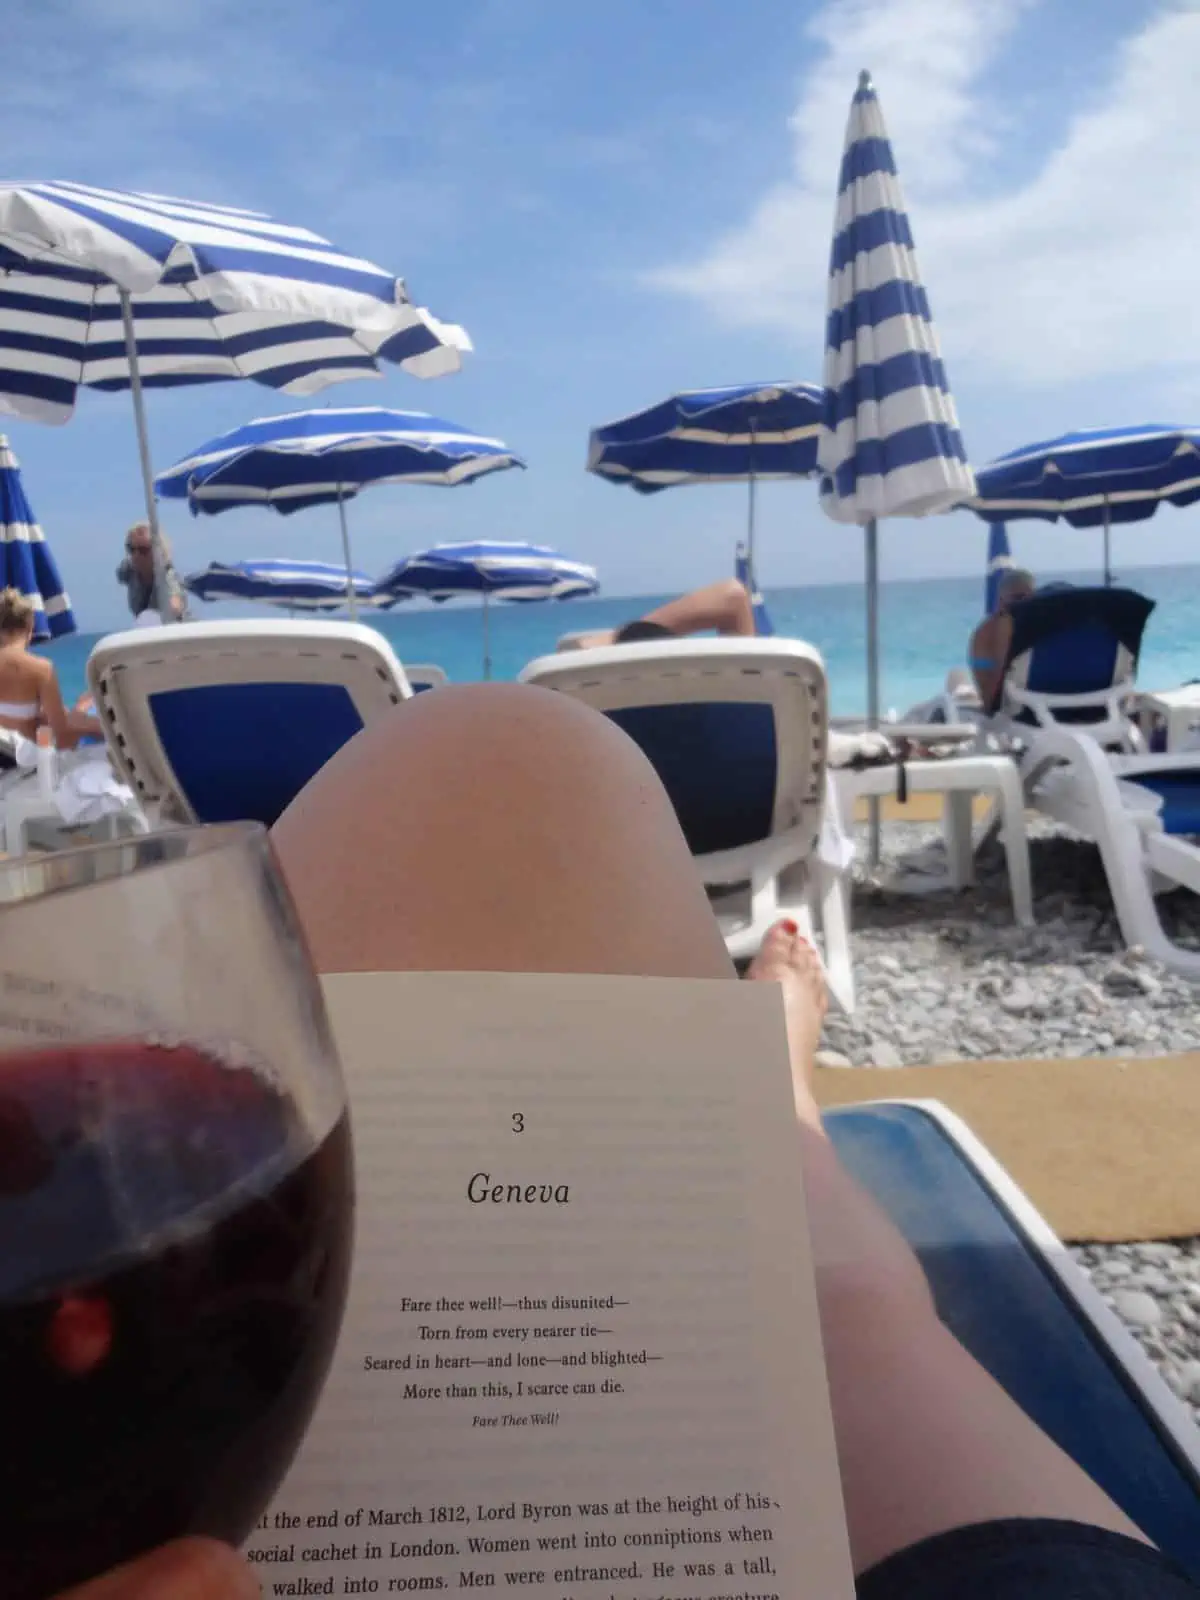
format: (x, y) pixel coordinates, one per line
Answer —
(927, 1440)
(504, 828)
(724, 606)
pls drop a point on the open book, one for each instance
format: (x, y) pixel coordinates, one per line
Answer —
(581, 1355)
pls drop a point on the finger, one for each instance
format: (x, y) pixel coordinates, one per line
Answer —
(190, 1569)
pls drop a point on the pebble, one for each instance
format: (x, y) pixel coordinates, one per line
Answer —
(1137, 1307)
(832, 1058)
(884, 1054)
(950, 977)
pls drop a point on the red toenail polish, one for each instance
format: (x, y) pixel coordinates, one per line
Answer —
(789, 926)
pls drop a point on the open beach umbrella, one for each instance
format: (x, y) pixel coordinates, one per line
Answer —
(292, 585)
(889, 444)
(738, 434)
(999, 561)
(25, 560)
(312, 458)
(112, 290)
(1094, 478)
(491, 568)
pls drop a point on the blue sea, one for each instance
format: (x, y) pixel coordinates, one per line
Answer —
(924, 625)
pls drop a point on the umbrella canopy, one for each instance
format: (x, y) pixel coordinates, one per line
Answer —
(25, 560)
(999, 561)
(737, 434)
(117, 290)
(213, 293)
(1094, 478)
(295, 585)
(504, 569)
(749, 430)
(309, 458)
(889, 443)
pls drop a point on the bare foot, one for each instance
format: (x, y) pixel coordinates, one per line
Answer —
(788, 959)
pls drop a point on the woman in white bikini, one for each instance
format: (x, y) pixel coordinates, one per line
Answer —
(30, 697)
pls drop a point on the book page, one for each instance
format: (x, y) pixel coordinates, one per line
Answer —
(581, 1355)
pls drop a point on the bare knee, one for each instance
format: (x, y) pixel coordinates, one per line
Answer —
(465, 741)
(499, 827)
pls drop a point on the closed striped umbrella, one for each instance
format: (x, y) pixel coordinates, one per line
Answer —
(111, 290)
(26, 562)
(890, 444)
(502, 569)
(292, 585)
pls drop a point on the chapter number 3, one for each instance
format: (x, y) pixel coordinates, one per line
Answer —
(518, 1122)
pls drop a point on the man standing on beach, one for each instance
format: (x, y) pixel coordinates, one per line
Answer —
(146, 589)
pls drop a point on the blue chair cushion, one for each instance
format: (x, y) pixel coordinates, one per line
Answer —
(717, 762)
(1180, 795)
(243, 751)
(1078, 660)
(1002, 1303)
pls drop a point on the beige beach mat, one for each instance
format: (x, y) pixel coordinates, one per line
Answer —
(1106, 1149)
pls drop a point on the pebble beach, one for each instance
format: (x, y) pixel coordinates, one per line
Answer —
(949, 977)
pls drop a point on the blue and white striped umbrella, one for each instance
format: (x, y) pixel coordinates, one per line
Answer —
(738, 434)
(213, 293)
(889, 444)
(999, 561)
(492, 568)
(113, 290)
(293, 585)
(730, 435)
(1094, 477)
(309, 458)
(27, 564)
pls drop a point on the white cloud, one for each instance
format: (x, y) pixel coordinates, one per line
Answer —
(1087, 270)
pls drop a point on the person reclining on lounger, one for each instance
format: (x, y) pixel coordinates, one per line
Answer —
(988, 649)
(950, 1488)
(724, 607)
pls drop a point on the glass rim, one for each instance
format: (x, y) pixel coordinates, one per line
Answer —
(64, 871)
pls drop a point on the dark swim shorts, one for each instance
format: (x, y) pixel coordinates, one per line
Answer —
(1027, 1559)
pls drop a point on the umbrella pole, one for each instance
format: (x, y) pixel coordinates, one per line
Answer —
(351, 597)
(1107, 545)
(750, 510)
(143, 437)
(487, 641)
(872, 562)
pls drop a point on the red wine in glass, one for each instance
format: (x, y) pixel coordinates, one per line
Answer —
(144, 1393)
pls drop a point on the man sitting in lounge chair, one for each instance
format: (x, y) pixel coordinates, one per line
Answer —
(988, 649)
(724, 607)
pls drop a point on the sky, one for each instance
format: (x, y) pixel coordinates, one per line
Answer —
(622, 201)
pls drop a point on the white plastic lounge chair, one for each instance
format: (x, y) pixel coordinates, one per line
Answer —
(1065, 711)
(1011, 1293)
(736, 729)
(222, 721)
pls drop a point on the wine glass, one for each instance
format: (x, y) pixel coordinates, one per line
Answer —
(176, 1198)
